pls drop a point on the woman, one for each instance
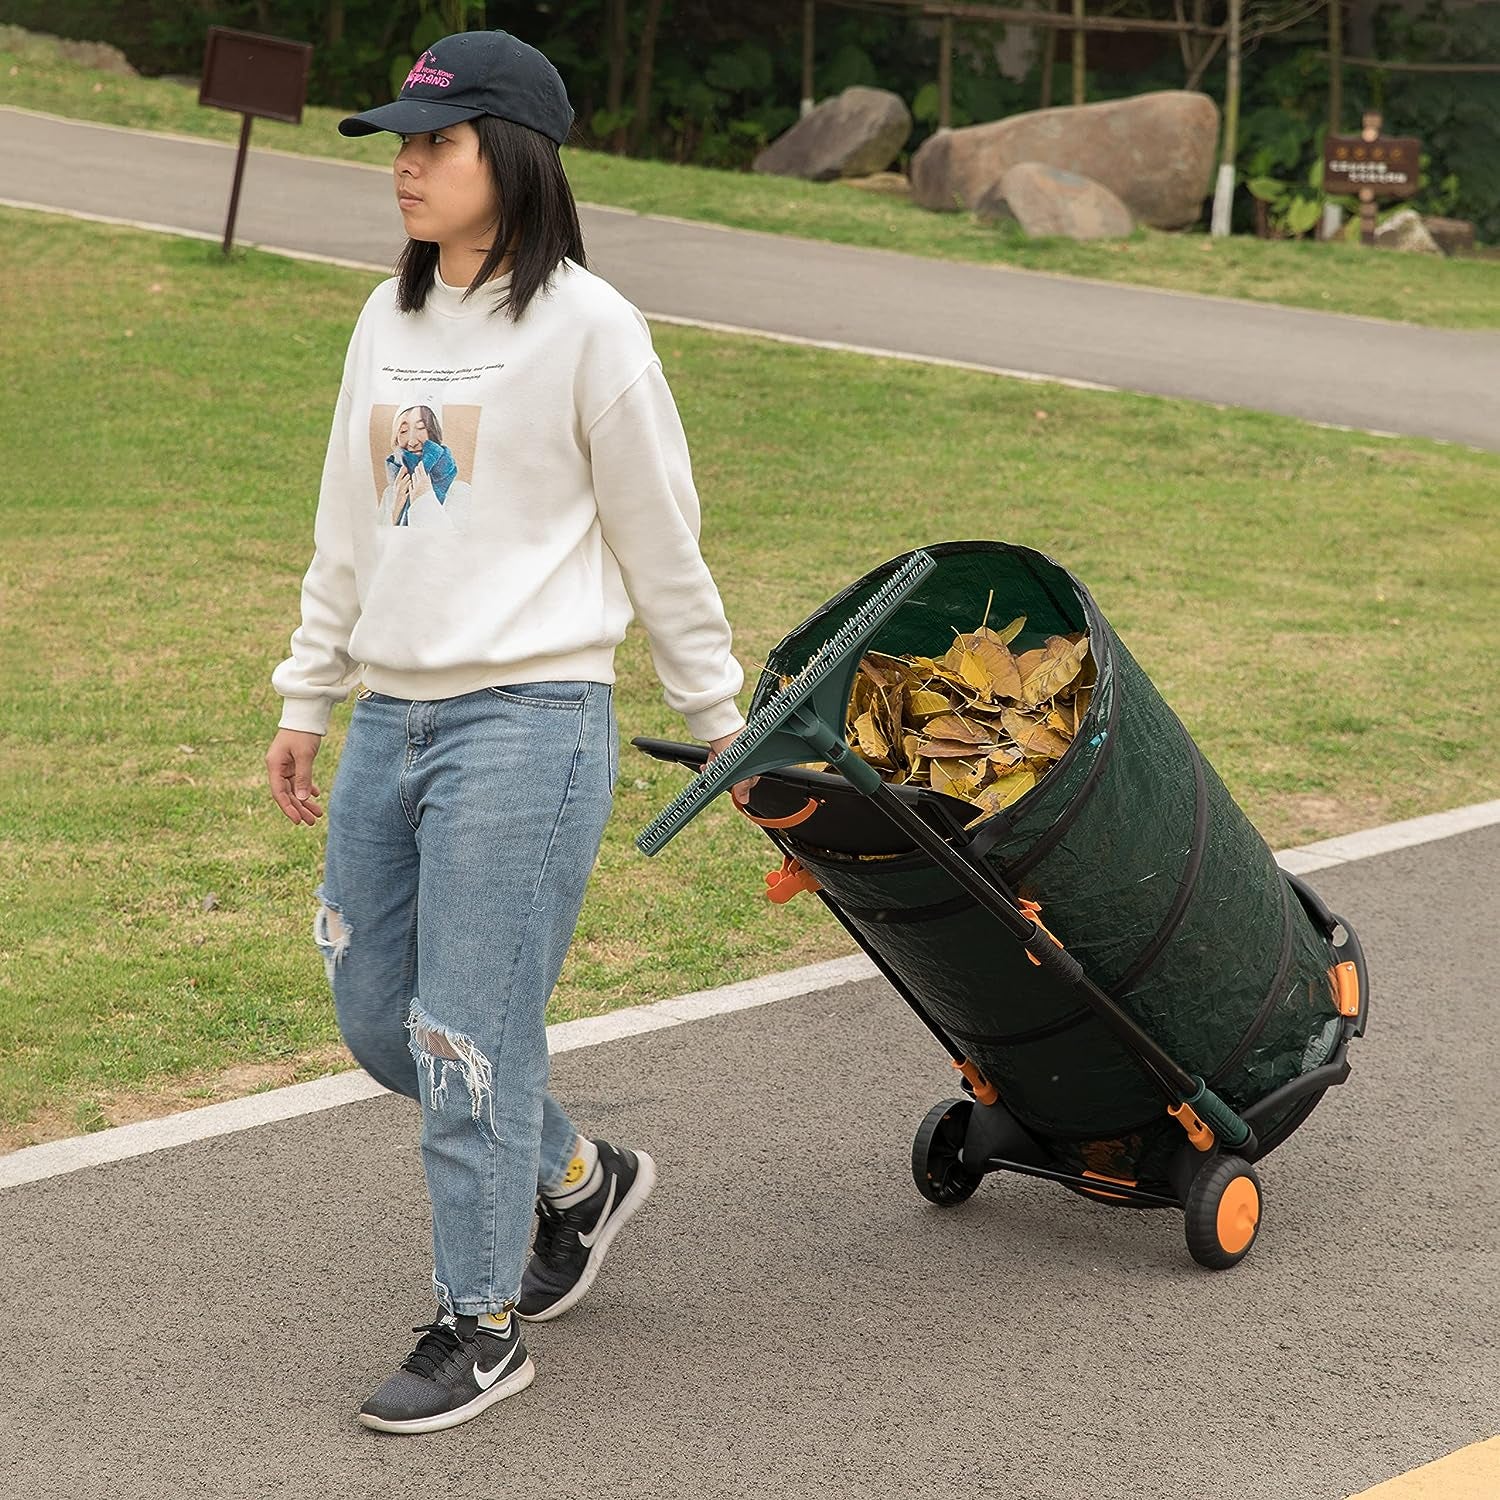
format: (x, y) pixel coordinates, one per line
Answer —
(419, 470)
(482, 753)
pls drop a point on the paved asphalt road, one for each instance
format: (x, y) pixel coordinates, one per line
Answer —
(1351, 371)
(788, 1318)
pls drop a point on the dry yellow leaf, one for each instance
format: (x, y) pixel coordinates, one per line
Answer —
(922, 703)
(946, 749)
(955, 727)
(1056, 666)
(996, 798)
(1006, 636)
(1002, 679)
(979, 723)
(872, 744)
(1032, 735)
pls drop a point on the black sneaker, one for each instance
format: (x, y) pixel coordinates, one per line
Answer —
(570, 1242)
(456, 1370)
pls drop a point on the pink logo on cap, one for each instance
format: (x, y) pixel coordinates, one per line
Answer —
(437, 77)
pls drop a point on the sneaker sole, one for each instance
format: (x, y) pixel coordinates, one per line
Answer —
(640, 1189)
(510, 1386)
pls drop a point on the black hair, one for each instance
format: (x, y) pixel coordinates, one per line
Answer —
(538, 220)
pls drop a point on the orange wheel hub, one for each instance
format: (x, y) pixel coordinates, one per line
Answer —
(1239, 1213)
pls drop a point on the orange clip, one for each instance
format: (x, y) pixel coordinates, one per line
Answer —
(802, 814)
(985, 1092)
(1118, 1181)
(790, 880)
(1345, 988)
(1197, 1132)
(1033, 909)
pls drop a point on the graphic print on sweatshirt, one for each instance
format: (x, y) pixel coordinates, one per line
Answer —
(422, 461)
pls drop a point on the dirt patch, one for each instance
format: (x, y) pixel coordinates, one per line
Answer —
(1307, 817)
(119, 1107)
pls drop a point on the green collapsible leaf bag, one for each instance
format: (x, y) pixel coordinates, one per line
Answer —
(1139, 863)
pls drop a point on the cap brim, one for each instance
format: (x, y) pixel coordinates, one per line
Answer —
(407, 117)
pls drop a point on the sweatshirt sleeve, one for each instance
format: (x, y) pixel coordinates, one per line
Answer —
(649, 511)
(319, 672)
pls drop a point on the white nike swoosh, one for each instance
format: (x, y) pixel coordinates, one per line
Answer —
(484, 1379)
(587, 1240)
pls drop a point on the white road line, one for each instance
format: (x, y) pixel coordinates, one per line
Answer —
(1387, 839)
(54, 1158)
(735, 329)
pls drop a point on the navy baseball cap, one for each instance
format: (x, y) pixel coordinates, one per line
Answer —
(469, 74)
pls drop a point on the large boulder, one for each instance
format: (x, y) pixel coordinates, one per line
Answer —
(1406, 231)
(1045, 200)
(854, 134)
(1154, 152)
(1453, 236)
(100, 56)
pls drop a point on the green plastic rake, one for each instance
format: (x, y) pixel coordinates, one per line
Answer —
(803, 721)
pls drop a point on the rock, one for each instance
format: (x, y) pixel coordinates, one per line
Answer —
(97, 55)
(1406, 231)
(993, 208)
(1154, 152)
(893, 184)
(1453, 236)
(1046, 201)
(851, 135)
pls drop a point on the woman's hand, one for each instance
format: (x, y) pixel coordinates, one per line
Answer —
(402, 498)
(741, 789)
(289, 765)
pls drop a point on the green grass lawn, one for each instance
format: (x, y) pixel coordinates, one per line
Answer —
(1330, 278)
(1294, 592)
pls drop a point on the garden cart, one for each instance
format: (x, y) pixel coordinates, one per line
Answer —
(1139, 1002)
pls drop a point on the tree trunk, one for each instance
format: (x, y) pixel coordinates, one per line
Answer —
(1362, 27)
(333, 30)
(645, 63)
(1080, 62)
(1335, 67)
(614, 89)
(1049, 60)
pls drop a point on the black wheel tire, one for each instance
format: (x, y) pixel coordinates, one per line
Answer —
(1222, 1212)
(935, 1168)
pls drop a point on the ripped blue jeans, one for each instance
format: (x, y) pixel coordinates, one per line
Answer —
(461, 834)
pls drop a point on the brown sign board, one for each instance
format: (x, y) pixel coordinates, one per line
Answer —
(257, 75)
(1390, 165)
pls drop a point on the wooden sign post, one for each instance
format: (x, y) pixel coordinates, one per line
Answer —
(1371, 166)
(252, 75)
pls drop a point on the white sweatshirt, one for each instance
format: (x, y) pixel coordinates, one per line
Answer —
(495, 498)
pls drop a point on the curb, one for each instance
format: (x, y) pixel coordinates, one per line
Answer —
(56, 1158)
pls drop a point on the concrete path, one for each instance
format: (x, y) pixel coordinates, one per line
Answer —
(1349, 371)
(788, 1318)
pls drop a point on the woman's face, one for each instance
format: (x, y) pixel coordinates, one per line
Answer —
(411, 432)
(444, 189)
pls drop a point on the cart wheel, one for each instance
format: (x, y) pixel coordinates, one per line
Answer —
(940, 1177)
(1222, 1212)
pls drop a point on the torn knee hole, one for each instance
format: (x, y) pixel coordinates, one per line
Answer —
(332, 933)
(440, 1053)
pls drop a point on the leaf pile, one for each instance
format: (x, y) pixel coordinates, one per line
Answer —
(978, 723)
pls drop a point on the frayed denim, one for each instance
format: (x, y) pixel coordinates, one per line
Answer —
(461, 835)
